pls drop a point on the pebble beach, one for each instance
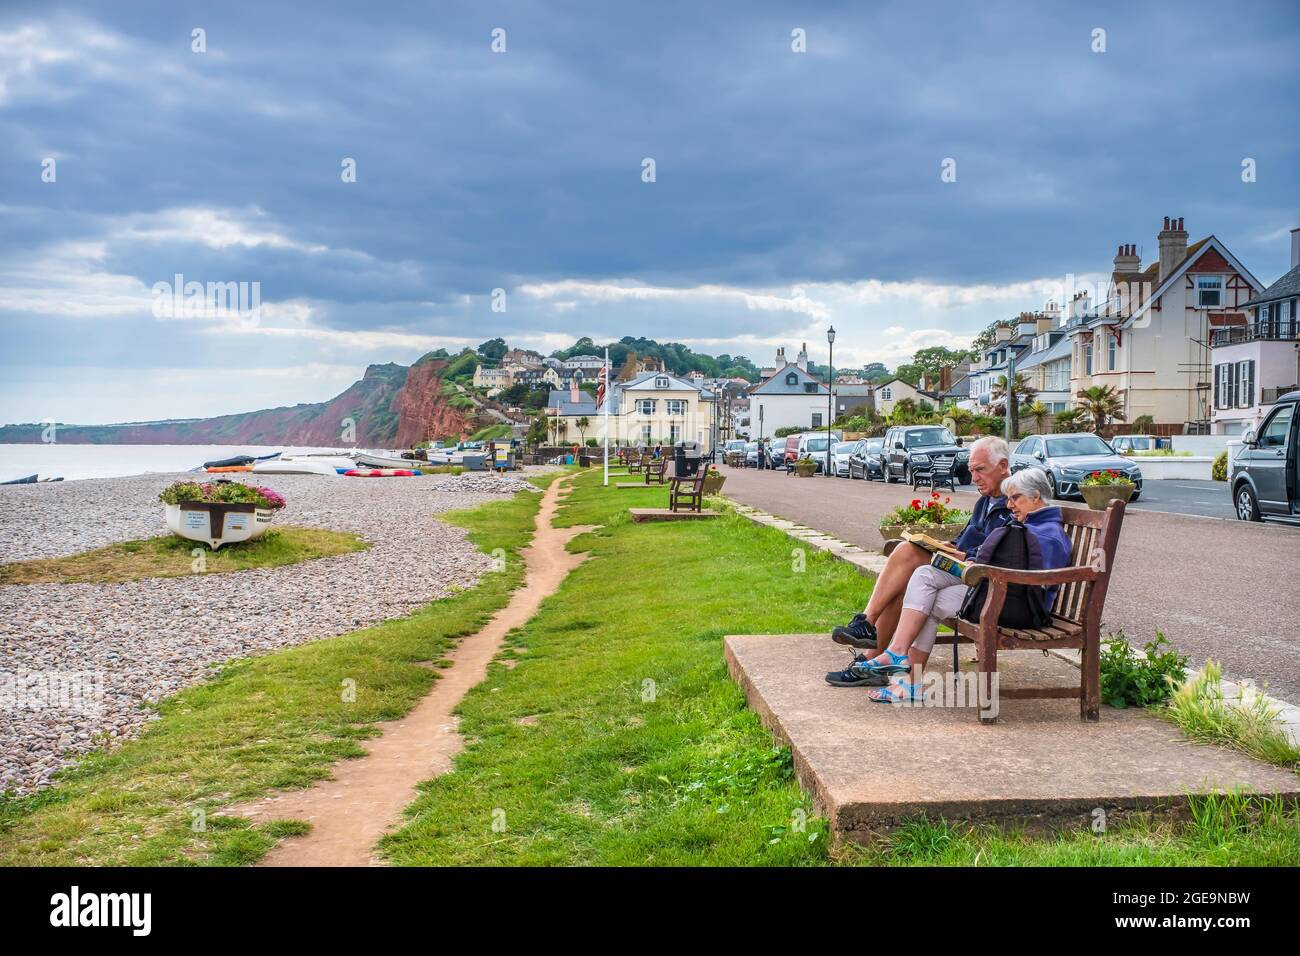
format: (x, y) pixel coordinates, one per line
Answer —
(144, 640)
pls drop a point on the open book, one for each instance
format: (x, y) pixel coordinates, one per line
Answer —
(946, 562)
(930, 544)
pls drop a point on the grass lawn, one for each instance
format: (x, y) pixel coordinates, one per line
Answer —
(618, 737)
(266, 722)
(171, 556)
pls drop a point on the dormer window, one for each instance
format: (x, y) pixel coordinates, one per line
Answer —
(792, 379)
(810, 387)
(661, 381)
(1209, 292)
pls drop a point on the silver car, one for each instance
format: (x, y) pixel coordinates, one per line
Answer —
(1068, 459)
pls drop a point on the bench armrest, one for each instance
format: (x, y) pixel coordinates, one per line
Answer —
(890, 546)
(975, 573)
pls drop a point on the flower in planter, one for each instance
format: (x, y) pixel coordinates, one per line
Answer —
(232, 492)
(920, 512)
(1107, 477)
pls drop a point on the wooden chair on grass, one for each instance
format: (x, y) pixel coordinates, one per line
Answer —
(686, 494)
(654, 471)
(1076, 613)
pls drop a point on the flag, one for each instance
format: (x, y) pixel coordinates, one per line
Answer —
(600, 385)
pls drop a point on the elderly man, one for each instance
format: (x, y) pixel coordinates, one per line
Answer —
(990, 465)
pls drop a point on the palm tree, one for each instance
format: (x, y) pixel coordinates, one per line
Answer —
(1068, 420)
(583, 424)
(961, 417)
(1101, 404)
(1038, 412)
(904, 412)
(1022, 392)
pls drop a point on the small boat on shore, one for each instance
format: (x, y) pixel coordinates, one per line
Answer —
(295, 466)
(31, 480)
(383, 473)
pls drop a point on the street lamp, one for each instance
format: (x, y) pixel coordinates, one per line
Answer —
(830, 397)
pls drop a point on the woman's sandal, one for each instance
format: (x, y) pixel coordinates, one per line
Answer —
(899, 664)
(887, 695)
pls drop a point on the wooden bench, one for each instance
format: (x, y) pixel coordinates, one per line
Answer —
(654, 471)
(936, 476)
(686, 494)
(1076, 613)
(633, 464)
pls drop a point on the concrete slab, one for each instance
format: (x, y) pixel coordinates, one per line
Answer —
(663, 514)
(869, 766)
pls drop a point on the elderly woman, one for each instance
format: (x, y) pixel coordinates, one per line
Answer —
(934, 595)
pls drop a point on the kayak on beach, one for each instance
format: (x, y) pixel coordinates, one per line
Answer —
(30, 480)
(236, 461)
(296, 466)
(382, 473)
(221, 469)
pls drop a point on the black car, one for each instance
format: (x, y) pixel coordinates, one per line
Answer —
(865, 460)
(914, 448)
(1265, 476)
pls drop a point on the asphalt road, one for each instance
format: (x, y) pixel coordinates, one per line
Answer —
(1225, 589)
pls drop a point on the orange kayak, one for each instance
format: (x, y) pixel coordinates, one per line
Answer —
(380, 473)
(221, 468)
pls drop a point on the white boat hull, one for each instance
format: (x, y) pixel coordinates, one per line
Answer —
(232, 527)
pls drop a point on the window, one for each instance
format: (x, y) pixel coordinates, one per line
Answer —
(645, 434)
(817, 420)
(646, 406)
(1111, 346)
(792, 379)
(886, 394)
(1087, 357)
(810, 388)
(661, 382)
(1274, 433)
(1245, 384)
(1209, 292)
(1264, 319)
(674, 434)
(1222, 384)
(1026, 447)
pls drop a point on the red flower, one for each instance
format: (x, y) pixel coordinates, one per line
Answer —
(916, 503)
(948, 500)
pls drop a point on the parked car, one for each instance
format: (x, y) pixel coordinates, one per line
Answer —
(776, 453)
(840, 453)
(911, 448)
(751, 454)
(1265, 475)
(813, 445)
(1129, 443)
(1068, 459)
(865, 460)
(791, 451)
(735, 446)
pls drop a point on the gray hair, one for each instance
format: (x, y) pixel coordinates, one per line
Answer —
(994, 447)
(1029, 481)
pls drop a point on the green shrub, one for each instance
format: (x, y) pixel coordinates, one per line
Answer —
(1129, 678)
(788, 430)
(1219, 471)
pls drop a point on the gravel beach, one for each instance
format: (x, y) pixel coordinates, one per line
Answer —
(143, 640)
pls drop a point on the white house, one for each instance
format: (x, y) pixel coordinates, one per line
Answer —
(1150, 340)
(659, 408)
(1258, 358)
(789, 398)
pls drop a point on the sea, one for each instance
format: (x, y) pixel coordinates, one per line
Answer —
(77, 462)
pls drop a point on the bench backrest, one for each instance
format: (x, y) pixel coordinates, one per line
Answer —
(1093, 536)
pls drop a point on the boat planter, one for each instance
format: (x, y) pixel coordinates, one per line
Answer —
(940, 532)
(1099, 496)
(805, 469)
(713, 483)
(217, 522)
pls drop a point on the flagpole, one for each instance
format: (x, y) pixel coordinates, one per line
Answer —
(606, 397)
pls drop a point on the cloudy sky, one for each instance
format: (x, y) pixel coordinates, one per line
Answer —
(791, 190)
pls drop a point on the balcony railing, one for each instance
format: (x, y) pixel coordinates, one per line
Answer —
(1268, 396)
(1285, 331)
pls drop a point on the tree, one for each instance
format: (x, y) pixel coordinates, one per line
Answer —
(537, 429)
(1038, 412)
(1022, 391)
(876, 372)
(493, 350)
(1068, 420)
(1102, 404)
(904, 412)
(930, 361)
(583, 424)
(1142, 424)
